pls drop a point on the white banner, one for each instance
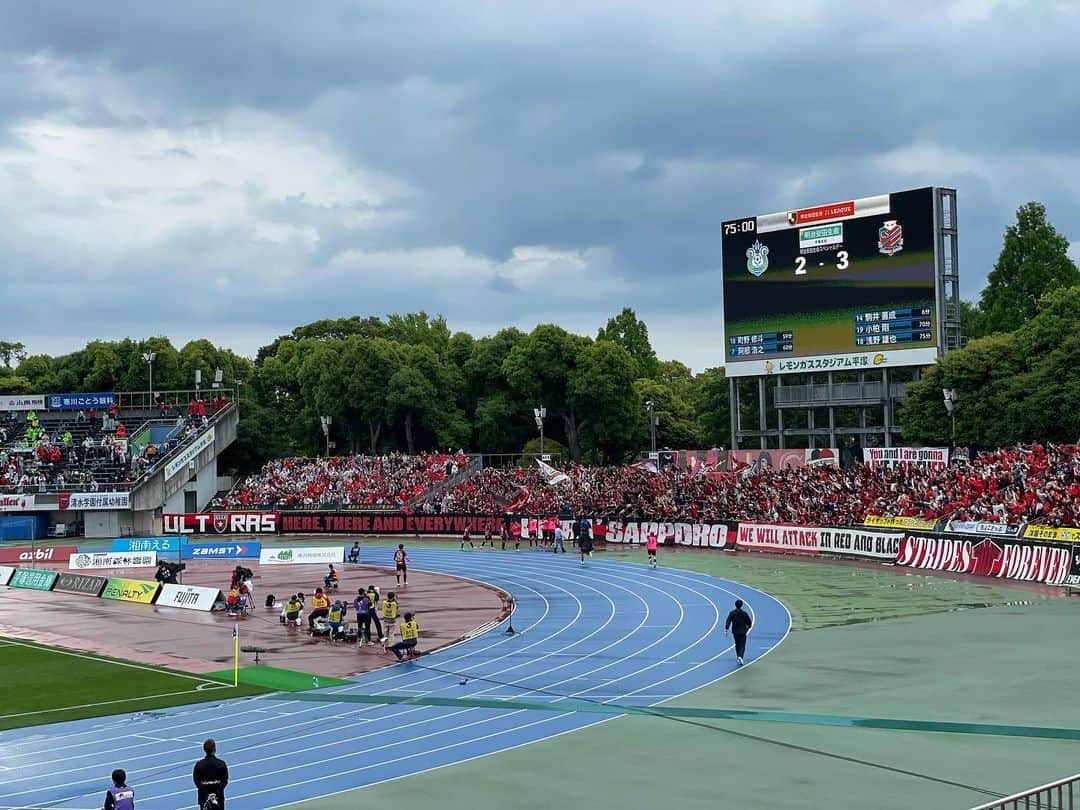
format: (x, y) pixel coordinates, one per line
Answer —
(26, 402)
(16, 503)
(6, 573)
(301, 556)
(783, 539)
(920, 456)
(189, 597)
(982, 527)
(189, 453)
(860, 543)
(88, 501)
(700, 535)
(86, 561)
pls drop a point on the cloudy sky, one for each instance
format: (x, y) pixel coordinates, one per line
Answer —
(232, 170)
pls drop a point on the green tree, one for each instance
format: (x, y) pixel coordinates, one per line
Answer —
(972, 321)
(539, 368)
(677, 427)
(1034, 261)
(411, 397)
(630, 332)
(10, 351)
(367, 367)
(600, 388)
(712, 407)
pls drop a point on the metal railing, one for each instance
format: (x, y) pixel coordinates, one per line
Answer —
(1061, 795)
(836, 393)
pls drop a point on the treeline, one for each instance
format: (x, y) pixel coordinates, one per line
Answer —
(406, 382)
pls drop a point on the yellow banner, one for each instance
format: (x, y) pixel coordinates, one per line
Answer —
(899, 522)
(1063, 534)
(130, 590)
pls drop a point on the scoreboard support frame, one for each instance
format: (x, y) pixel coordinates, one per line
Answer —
(881, 395)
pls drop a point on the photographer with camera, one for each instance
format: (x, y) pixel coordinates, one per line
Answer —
(167, 572)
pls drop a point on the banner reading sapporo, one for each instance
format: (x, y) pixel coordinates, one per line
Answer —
(84, 561)
(189, 597)
(696, 535)
(987, 557)
(141, 591)
(782, 539)
(919, 456)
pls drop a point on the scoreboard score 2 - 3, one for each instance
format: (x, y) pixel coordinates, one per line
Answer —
(844, 286)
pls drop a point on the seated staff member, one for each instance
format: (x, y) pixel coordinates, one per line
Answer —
(410, 633)
(354, 552)
(291, 613)
(336, 617)
(120, 796)
(320, 607)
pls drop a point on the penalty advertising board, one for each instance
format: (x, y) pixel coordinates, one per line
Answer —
(849, 285)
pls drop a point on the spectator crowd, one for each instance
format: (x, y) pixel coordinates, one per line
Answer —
(1032, 482)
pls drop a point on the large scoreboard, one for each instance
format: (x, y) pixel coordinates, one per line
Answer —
(846, 286)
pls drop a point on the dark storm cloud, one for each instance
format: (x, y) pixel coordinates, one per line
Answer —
(628, 130)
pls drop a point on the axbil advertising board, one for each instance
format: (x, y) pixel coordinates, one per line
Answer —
(987, 557)
(221, 523)
(42, 554)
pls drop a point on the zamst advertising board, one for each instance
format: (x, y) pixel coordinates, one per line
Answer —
(220, 523)
(26, 554)
(141, 591)
(301, 556)
(782, 539)
(6, 573)
(987, 557)
(34, 579)
(222, 551)
(698, 535)
(189, 597)
(16, 503)
(82, 584)
(85, 561)
(394, 523)
(919, 456)
(189, 453)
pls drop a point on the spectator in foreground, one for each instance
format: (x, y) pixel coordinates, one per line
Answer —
(119, 796)
(211, 775)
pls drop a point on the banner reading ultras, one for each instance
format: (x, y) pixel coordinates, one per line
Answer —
(844, 286)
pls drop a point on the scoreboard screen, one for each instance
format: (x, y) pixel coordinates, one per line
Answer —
(844, 286)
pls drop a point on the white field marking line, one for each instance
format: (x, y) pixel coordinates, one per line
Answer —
(390, 717)
(437, 733)
(314, 710)
(427, 752)
(557, 734)
(105, 703)
(159, 671)
(217, 715)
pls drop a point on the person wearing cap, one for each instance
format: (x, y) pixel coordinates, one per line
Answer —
(739, 624)
(211, 775)
(119, 796)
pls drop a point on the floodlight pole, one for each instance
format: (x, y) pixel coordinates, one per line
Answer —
(651, 406)
(148, 357)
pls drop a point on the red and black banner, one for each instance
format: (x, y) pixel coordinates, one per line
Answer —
(220, 523)
(394, 523)
(1049, 563)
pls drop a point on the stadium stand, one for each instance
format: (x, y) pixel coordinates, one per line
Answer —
(391, 481)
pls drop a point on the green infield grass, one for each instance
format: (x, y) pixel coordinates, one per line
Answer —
(46, 685)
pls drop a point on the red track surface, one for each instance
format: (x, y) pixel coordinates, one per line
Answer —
(447, 609)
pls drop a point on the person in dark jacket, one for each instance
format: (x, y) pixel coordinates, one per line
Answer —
(739, 624)
(211, 775)
(120, 796)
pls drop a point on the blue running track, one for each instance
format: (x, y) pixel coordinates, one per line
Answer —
(609, 632)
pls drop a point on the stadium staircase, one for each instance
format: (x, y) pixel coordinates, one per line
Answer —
(438, 490)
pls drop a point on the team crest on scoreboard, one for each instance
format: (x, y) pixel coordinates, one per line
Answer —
(890, 238)
(757, 258)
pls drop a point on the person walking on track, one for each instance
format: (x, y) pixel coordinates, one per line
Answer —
(650, 547)
(401, 565)
(585, 546)
(211, 775)
(739, 624)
